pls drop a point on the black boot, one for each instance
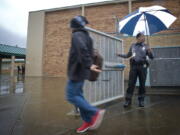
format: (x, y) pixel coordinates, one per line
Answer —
(141, 102)
(127, 103)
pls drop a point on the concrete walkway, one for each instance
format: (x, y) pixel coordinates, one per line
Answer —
(39, 108)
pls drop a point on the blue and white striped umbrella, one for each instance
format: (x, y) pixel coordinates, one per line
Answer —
(147, 20)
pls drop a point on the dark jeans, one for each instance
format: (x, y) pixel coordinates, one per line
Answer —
(137, 71)
(74, 94)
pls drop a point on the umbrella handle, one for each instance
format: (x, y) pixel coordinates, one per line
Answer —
(146, 28)
(148, 40)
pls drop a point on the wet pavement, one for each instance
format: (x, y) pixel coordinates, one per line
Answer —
(37, 106)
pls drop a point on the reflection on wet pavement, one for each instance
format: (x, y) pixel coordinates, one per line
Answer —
(10, 85)
(41, 109)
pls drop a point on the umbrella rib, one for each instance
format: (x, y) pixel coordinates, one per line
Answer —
(147, 32)
(146, 23)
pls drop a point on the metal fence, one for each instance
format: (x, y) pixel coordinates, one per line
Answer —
(110, 84)
(165, 68)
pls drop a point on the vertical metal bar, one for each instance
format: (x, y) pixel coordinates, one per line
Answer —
(115, 83)
(107, 84)
(90, 88)
(99, 84)
(122, 49)
(87, 90)
(103, 77)
(95, 91)
(110, 87)
(120, 84)
(103, 85)
(108, 59)
(94, 83)
(107, 77)
(114, 51)
(109, 50)
(114, 55)
(112, 83)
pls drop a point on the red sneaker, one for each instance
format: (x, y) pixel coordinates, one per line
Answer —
(97, 119)
(85, 126)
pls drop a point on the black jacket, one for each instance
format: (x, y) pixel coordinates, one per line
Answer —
(80, 55)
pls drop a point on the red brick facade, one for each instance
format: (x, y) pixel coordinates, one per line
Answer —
(101, 17)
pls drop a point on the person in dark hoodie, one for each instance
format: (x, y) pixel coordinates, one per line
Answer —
(80, 63)
(138, 68)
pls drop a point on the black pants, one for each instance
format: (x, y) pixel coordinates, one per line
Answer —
(137, 71)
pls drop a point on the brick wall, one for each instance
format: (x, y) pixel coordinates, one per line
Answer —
(57, 42)
(57, 34)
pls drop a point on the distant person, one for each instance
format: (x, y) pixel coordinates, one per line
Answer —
(19, 69)
(138, 68)
(79, 67)
(23, 69)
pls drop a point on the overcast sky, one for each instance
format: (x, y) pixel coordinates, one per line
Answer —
(14, 17)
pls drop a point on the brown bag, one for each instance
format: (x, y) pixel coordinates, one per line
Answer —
(98, 61)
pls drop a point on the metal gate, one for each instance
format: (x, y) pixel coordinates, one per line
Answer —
(110, 84)
(165, 68)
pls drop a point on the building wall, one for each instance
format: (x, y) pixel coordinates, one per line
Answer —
(35, 42)
(57, 34)
(57, 41)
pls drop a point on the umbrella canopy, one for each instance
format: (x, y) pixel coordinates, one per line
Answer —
(147, 20)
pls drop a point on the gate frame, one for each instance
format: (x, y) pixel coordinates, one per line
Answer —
(110, 69)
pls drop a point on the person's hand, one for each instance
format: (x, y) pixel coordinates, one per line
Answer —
(95, 68)
(117, 54)
(149, 50)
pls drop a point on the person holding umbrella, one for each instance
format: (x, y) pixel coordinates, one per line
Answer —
(80, 64)
(138, 68)
(148, 20)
